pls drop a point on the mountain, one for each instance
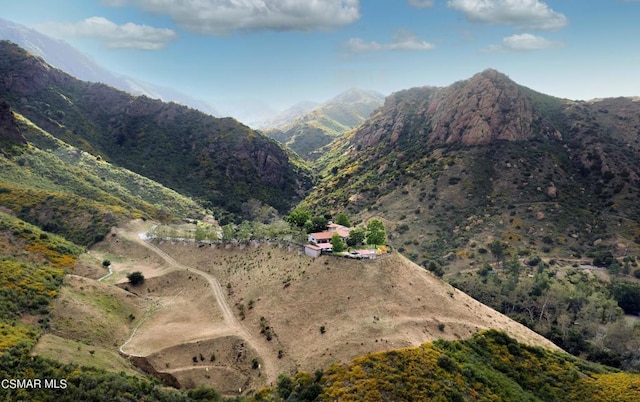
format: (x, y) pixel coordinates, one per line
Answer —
(514, 196)
(70, 60)
(219, 161)
(63, 190)
(488, 149)
(289, 114)
(308, 133)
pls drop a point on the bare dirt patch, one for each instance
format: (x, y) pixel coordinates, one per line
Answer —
(364, 306)
(226, 363)
(184, 310)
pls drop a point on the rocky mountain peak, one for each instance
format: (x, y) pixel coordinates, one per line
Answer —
(485, 108)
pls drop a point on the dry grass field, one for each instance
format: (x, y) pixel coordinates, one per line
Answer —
(204, 313)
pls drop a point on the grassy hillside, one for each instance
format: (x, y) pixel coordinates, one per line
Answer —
(489, 366)
(307, 134)
(67, 191)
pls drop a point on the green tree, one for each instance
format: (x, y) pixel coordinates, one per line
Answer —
(356, 236)
(244, 231)
(627, 294)
(228, 231)
(497, 250)
(343, 220)
(201, 233)
(337, 243)
(298, 217)
(376, 233)
(318, 224)
(513, 267)
(135, 278)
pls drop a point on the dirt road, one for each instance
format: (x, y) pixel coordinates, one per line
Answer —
(231, 324)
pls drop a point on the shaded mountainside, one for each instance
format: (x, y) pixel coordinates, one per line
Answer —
(313, 130)
(72, 193)
(9, 131)
(485, 157)
(219, 161)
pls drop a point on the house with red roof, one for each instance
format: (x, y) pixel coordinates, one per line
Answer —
(322, 240)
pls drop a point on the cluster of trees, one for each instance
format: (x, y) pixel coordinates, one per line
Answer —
(577, 311)
(374, 233)
(302, 218)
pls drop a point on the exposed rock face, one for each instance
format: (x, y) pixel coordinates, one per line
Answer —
(488, 107)
(9, 130)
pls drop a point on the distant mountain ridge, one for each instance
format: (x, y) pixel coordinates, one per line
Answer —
(219, 161)
(67, 58)
(309, 132)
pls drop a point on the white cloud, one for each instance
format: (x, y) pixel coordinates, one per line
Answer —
(524, 43)
(421, 3)
(528, 14)
(403, 41)
(126, 36)
(219, 17)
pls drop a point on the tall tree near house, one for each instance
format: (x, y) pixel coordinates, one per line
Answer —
(337, 243)
(318, 224)
(343, 220)
(376, 233)
(356, 236)
(298, 217)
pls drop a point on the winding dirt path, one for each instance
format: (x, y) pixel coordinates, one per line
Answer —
(232, 326)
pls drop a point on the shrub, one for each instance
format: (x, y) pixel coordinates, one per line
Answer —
(135, 278)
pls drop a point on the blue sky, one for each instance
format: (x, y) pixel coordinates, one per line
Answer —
(284, 51)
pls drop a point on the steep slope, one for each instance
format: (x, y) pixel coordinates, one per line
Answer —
(67, 58)
(9, 131)
(310, 132)
(485, 158)
(66, 191)
(217, 160)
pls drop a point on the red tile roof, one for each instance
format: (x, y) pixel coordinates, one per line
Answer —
(322, 235)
